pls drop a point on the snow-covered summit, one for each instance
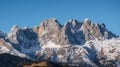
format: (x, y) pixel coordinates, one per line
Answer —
(87, 20)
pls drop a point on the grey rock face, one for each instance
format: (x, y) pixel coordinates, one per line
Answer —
(72, 32)
(62, 55)
(67, 34)
(23, 39)
(50, 25)
(49, 30)
(92, 31)
(21, 34)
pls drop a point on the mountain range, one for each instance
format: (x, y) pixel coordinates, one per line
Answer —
(74, 43)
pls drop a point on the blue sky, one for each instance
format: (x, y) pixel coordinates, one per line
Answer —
(31, 12)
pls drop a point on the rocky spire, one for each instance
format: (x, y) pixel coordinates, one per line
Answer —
(15, 27)
(92, 30)
(87, 23)
(12, 35)
(71, 23)
(49, 25)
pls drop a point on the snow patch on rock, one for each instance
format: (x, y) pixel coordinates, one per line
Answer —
(50, 44)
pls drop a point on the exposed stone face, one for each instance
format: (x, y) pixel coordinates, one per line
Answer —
(49, 30)
(64, 35)
(3, 43)
(22, 37)
(19, 34)
(75, 53)
(12, 35)
(72, 32)
(51, 25)
(87, 23)
(41, 29)
(92, 31)
(36, 29)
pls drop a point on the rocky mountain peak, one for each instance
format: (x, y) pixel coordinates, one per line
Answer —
(71, 23)
(87, 23)
(95, 30)
(53, 22)
(87, 20)
(22, 38)
(73, 32)
(49, 25)
(15, 27)
(13, 31)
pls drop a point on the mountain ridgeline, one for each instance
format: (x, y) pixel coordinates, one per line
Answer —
(73, 43)
(72, 32)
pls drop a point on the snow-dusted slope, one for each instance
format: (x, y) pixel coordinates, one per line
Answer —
(64, 54)
(93, 52)
(50, 44)
(24, 40)
(108, 51)
(6, 47)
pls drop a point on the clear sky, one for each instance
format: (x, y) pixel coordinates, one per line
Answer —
(31, 12)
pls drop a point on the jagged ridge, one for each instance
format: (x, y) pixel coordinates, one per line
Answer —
(73, 42)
